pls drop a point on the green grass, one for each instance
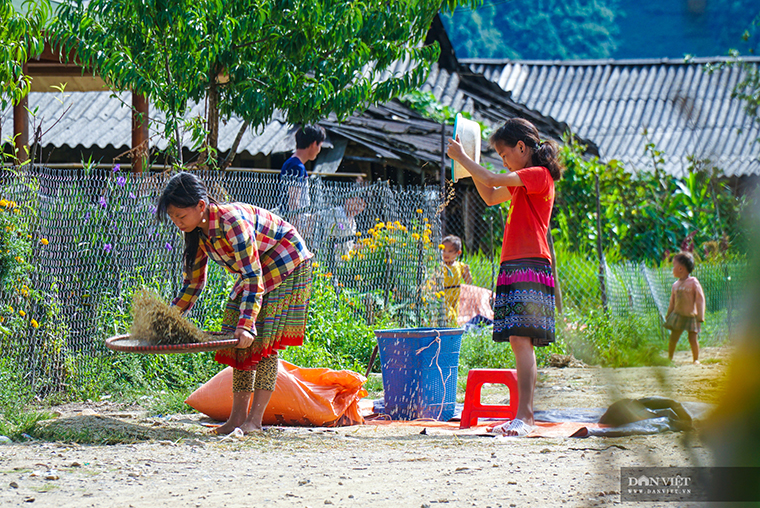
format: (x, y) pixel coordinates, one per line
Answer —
(17, 414)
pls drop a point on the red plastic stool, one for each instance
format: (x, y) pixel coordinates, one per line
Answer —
(473, 409)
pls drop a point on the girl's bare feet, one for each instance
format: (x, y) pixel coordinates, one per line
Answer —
(251, 428)
(228, 427)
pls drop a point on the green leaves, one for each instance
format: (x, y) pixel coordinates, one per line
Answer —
(307, 58)
(561, 30)
(20, 39)
(647, 214)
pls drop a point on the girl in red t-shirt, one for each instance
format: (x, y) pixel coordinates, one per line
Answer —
(524, 305)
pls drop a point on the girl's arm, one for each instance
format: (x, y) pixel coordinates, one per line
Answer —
(193, 283)
(700, 295)
(492, 187)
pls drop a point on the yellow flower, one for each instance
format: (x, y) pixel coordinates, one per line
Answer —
(21, 313)
(397, 224)
(34, 323)
(441, 246)
(29, 236)
(358, 233)
(4, 203)
(315, 265)
(345, 257)
(425, 219)
(2, 319)
(44, 241)
(416, 236)
(379, 225)
(419, 210)
(12, 311)
(358, 277)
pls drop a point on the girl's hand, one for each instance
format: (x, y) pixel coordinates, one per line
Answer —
(244, 337)
(455, 150)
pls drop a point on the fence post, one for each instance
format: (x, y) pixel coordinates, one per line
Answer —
(443, 175)
(599, 251)
(557, 288)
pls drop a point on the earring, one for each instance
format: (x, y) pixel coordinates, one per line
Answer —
(203, 221)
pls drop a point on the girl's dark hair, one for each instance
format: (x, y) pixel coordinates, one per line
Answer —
(685, 259)
(184, 190)
(544, 152)
(454, 240)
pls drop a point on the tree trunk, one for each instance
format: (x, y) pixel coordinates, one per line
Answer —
(212, 119)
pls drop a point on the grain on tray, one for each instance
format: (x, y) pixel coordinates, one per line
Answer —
(155, 322)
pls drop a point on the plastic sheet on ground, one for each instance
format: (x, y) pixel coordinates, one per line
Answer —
(646, 416)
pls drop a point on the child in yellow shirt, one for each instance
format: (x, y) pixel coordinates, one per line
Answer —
(454, 273)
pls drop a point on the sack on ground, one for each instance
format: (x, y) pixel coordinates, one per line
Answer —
(302, 397)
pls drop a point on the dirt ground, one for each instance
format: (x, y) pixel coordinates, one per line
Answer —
(175, 462)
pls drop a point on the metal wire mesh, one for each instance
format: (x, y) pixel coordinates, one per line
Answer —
(93, 240)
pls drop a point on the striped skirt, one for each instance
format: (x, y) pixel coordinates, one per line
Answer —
(524, 304)
(281, 322)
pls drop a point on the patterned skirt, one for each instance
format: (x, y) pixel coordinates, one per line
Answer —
(524, 303)
(281, 322)
(678, 322)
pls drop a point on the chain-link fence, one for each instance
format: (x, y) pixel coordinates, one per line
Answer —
(77, 243)
(86, 239)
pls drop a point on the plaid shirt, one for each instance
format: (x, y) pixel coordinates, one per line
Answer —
(255, 244)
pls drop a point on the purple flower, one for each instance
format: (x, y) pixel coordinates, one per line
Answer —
(121, 181)
(86, 217)
(107, 247)
(132, 195)
(116, 168)
(103, 201)
(341, 226)
(168, 246)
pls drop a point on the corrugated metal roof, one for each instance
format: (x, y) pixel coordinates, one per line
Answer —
(685, 110)
(391, 130)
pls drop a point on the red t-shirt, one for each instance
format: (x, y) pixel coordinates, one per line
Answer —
(529, 212)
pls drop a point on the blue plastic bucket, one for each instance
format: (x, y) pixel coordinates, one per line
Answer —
(419, 367)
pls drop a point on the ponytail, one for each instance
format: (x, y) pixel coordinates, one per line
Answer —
(546, 155)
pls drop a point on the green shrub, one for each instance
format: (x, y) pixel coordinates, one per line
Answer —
(337, 333)
(16, 398)
(599, 338)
